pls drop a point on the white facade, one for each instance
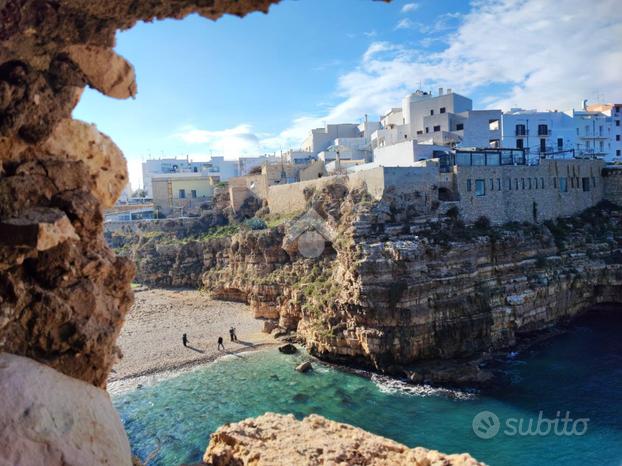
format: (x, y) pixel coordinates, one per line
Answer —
(320, 139)
(538, 132)
(614, 111)
(406, 153)
(168, 165)
(299, 157)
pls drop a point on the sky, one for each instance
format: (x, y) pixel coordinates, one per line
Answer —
(257, 85)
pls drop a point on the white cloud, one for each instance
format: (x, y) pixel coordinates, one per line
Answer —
(231, 142)
(404, 23)
(410, 7)
(546, 54)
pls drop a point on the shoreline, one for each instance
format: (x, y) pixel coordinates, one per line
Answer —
(151, 339)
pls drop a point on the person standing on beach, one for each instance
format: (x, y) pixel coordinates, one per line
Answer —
(232, 333)
(184, 340)
(220, 345)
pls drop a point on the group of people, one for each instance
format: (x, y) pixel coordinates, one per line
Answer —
(221, 346)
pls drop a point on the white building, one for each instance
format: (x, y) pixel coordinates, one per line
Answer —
(406, 153)
(614, 111)
(538, 132)
(446, 119)
(320, 139)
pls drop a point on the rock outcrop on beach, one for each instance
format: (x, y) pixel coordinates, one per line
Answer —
(276, 439)
(395, 291)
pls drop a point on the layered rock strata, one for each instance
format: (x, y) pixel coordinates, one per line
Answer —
(393, 292)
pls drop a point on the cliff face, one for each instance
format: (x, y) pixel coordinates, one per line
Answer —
(392, 290)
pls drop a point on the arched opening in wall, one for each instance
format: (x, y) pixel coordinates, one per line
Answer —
(447, 195)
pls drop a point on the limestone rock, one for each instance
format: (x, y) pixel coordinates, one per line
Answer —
(77, 140)
(47, 418)
(288, 348)
(104, 70)
(39, 228)
(304, 367)
(276, 439)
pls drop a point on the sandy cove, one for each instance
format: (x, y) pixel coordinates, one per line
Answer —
(151, 339)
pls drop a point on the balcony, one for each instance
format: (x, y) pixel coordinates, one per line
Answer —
(521, 132)
(544, 132)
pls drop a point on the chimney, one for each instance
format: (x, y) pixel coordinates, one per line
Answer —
(449, 90)
(440, 91)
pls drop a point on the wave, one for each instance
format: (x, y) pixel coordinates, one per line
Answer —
(395, 386)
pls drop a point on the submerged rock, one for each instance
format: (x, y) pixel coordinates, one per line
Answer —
(304, 367)
(48, 418)
(288, 349)
(276, 439)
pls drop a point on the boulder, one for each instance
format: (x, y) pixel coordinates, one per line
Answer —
(288, 348)
(304, 367)
(279, 440)
(47, 418)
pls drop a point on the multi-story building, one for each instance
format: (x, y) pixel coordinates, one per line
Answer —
(447, 119)
(593, 134)
(217, 166)
(538, 132)
(613, 111)
(179, 194)
(320, 139)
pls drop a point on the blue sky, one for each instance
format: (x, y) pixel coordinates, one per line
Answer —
(254, 85)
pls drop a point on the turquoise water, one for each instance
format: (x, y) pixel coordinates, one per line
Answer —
(579, 372)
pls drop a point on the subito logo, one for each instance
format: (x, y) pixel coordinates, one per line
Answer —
(486, 425)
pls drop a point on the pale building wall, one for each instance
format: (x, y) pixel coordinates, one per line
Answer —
(506, 205)
(479, 128)
(405, 154)
(559, 124)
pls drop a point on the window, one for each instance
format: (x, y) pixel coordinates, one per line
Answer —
(529, 182)
(543, 130)
(431, 112)
(480, 187)
(522, 180)
(593, 181)
(617, 137)
(519, 144)
(182, 194)
(492, 184)
(516, 183)
(459, 126)
(469, 185)
(600, 130)
(542, 182)
(493, 125)
(193, 193)
(585, 182)
(499, 184)
(493, 143)
(560, 143)
(442, 109)
(437, 128)
(509, 184)
(617, 122)
(521, 130)
(427, 130)
(618, 152)
(601, 146)
(419, 132)
(572, 182)
(563, 184)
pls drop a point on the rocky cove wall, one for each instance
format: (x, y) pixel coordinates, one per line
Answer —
(388, 295)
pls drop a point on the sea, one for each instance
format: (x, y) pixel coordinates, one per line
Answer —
(560, 403)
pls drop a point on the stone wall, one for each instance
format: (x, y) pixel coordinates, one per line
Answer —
(612, 179)
(525, 193)
(405, 183)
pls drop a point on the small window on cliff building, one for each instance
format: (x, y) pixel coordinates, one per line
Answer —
(193, 193)
(516, 184)
(182, 194)
(563, 184)
(469, 185)
(509, 184)
(480, 187)
(522, 180)
(498, 184)
(529, 182)
(492, 184)
(585, 184)
(542, 182)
